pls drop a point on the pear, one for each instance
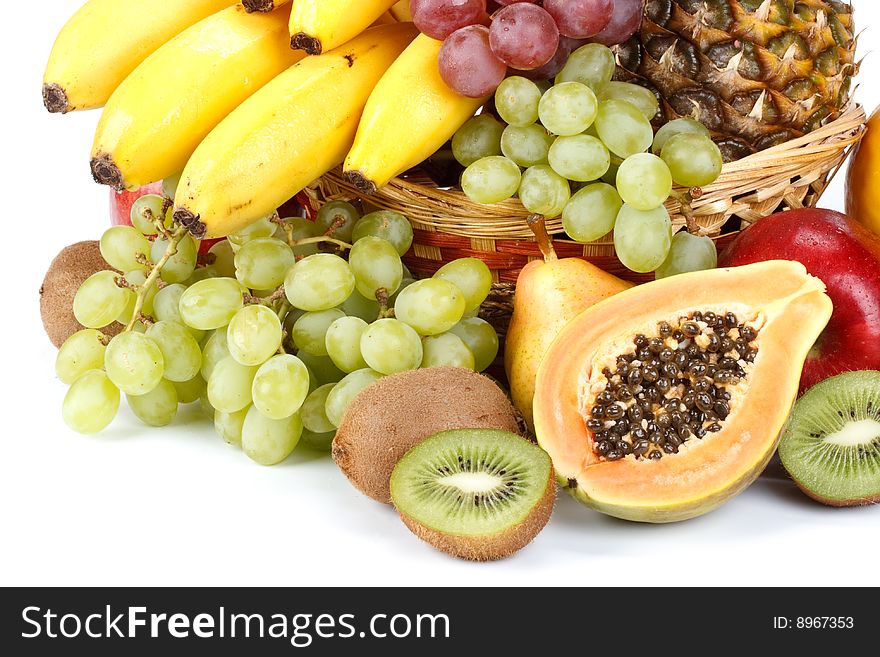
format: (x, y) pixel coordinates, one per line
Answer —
(549, 294)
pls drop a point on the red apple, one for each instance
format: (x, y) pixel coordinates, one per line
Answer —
(121, 202)
(846, 256)
(120, 208)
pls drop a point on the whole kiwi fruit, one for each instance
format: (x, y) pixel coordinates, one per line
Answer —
(394, 414)
(73, 265)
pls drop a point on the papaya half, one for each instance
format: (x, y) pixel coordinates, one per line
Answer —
(666, 400)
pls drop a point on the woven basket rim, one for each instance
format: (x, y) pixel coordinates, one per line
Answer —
(787, 172)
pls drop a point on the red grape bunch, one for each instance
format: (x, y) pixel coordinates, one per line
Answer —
(532, 37)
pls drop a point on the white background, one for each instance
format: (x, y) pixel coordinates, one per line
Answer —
(177, 506)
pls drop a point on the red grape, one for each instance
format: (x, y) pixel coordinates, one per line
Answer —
(625, 21)
(523, 36)
(549, 70)
(580, 19)
(440, 18)
(467, 63)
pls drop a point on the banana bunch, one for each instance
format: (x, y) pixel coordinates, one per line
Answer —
(226, 93)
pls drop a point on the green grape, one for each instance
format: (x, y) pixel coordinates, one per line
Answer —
(471, 276)
(635, 94)
(389, 346)
(642, 238)
(320, 442)
(263, 227)
(166, 307)
(342, 212)
(91, 402)
(694, 160)
(580, 157)
(310, 330)
(480, 338)
(516, 101)
(205, 406)
(490, 180)
(262, 263)
(446, 350)
(543, 191)
(677, 127)
(199, 274)
(592, 65)
(320, 282)
(215, 350)
(405, 283)
(479, 137)
(623, 128)
(357, 305)
(135, 278)
(180, 351)
(345, 391)
(526, 145)
(81, 352)
(280, 386)
(134, 363)
(99, 300)
(591, 212)
(156, 408)
(610, 176)
(430, 306)
(253, 335)
(376, 266)
(229, 388)
(387, 225)
(568, 108)
(190, 391)
(182, 264)
(211, 303)
(269, 441)
(228, 425)
(145, 210)
(688, 253)
(322, 368)
(302, 229)
(223, 264)
(121, 245)
(170, 185)
(314, 412)
(644, 181)
(343, 343)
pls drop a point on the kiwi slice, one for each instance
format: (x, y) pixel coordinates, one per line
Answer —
(478, 494)
(831, 446)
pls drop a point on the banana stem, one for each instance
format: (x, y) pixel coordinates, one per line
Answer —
(153, 277)
(538, 225)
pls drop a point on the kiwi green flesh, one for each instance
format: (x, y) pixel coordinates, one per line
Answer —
(831, 446)
(471, 482)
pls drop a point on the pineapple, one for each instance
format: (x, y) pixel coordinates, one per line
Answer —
(756, 72)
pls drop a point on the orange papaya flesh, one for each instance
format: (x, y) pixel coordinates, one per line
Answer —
(786, 307)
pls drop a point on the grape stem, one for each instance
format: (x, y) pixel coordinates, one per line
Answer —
(321, 239)
(382, 297)
(684, 201)
(538, 225)
(153, 277)
(277, 295)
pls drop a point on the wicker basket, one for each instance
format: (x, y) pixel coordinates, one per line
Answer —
(448, 226)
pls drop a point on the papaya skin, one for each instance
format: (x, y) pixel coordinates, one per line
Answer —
(791, 309)
(549, 293)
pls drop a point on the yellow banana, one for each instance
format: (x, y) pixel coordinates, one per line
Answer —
(411, 113)
(105, 41)
(292, 131)
(401, 12)
(320, 25)
(162, 111)
(263, 5)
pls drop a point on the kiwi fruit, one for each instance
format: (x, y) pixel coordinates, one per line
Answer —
(831, 446)
(395, 413)
(73, 265)
(477, 494)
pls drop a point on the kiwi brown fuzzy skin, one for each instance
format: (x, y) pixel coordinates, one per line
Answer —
(493, 546)
(839, 504)
(73, 265)
(396, 413)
